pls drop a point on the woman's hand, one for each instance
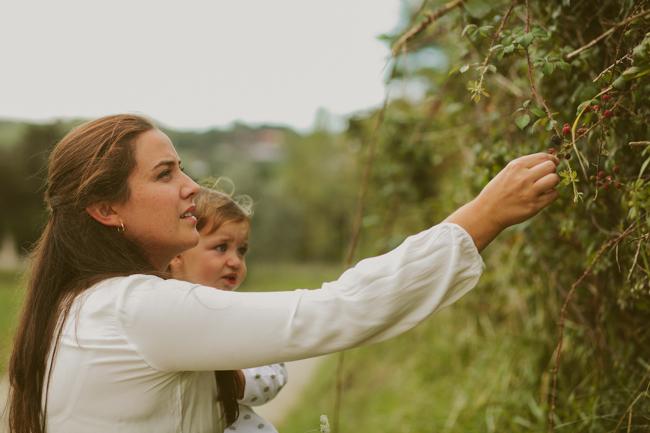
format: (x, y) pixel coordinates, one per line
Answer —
(522, 189)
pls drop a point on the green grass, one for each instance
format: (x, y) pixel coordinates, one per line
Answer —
(270, 277)
(11, 295)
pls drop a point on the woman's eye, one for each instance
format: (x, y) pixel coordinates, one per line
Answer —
(164, 174)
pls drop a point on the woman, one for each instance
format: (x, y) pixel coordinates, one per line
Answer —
(106, 344)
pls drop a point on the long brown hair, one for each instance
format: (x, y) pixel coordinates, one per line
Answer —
(90, 164)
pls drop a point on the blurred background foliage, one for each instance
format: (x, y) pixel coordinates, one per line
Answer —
(468, 94)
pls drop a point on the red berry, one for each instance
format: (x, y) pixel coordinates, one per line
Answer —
(606, 97)
(608, 113)
(566, 129)
(609, 179)
(601, 174)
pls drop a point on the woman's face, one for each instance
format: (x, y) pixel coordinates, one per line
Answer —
(159, 212)
(218, 260)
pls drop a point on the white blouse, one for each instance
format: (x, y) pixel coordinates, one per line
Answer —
(137, 353)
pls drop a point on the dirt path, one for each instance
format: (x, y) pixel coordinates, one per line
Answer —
(300, 374)
(4, 389)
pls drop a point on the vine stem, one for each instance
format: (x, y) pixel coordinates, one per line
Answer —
(540, 100)
(429, 19)
(563, 311)
(597, 39)
(354, 239)
(574, 128)
(494, 39)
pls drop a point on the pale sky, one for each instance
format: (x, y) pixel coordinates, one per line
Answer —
(193, 63)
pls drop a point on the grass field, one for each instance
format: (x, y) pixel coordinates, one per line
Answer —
(11, 294)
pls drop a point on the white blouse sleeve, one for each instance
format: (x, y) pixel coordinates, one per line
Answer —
(178, 326)
(263, 383)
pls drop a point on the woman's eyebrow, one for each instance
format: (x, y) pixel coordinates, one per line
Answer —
(167, 162)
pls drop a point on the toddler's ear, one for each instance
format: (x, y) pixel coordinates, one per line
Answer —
(176, 267)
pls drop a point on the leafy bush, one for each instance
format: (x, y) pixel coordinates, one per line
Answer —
(568, 77)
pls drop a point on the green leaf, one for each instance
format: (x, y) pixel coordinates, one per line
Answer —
(548, 68)
(509, 49)
(643, 167)
(537, 112)
(522, 121)
(463, 69)
(526, 39)
(568, 176)
(469, 28)
(485, 30)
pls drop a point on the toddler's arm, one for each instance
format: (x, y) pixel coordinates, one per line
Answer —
(263, 383)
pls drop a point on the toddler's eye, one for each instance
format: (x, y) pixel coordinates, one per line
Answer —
(222, 248)
(243, 250)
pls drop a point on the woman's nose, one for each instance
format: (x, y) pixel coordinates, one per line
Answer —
(190, 188)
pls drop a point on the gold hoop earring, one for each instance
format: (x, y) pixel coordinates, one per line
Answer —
(121, 228)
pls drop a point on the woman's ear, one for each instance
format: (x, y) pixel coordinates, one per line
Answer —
(103, 213)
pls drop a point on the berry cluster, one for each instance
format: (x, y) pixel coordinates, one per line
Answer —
(607, 111)
(604, 180)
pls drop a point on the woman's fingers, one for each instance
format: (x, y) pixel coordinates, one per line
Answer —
(546, 182)
(542, 169)
(532, 160)
(547, 198)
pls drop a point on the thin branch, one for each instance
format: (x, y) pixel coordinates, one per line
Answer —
(540, 100)
(494, 39)
(558, 351)
(609, 68)
(429, 19)
(594, 41)
(356, 232)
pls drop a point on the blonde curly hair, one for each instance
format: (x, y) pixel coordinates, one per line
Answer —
(216, 204)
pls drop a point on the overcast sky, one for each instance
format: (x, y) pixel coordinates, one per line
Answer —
(193, 63)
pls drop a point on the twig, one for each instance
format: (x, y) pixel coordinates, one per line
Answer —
(562, 319)
(606, 34)
(494, 39)
(429, 19)
(639, 143)
(631, 405)
(540, 100)
(354, 240)
(609, 68)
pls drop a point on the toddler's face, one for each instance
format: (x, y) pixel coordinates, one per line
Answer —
(219, 259)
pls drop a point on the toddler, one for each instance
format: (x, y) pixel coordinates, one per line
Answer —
(219, 261)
